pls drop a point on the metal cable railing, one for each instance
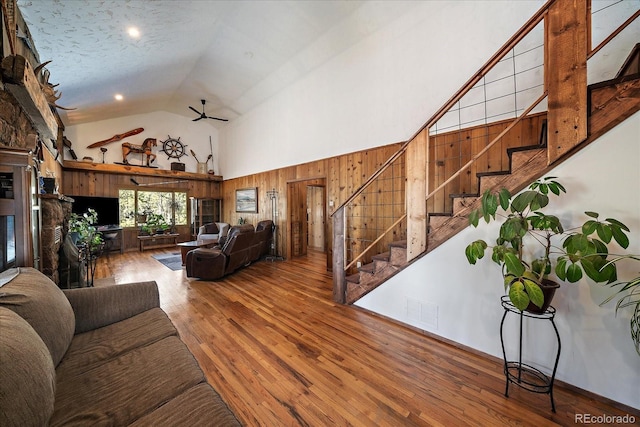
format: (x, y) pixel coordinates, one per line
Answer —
(375, 216)
(503, 109)
(502, 106)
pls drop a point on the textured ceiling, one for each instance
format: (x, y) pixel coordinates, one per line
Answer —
(233, 54)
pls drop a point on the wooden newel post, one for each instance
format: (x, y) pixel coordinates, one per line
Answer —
(339, 275)
(566, 75)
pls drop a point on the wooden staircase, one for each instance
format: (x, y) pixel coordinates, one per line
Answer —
(610, 103)
(373, 274)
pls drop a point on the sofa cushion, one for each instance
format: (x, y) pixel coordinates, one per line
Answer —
(43, 305)
(89, 349)
(211, 228)
(200, 406)
(27, 375)
(126, 388)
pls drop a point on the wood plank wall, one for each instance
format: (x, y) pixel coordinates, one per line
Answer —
(449, 151)
(101, 184)
(341, 176)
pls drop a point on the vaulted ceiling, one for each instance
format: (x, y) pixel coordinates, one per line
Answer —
(233, 54)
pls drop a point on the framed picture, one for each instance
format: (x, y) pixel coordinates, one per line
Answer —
(247, 200)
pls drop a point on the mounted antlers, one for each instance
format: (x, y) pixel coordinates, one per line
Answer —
(50, 93)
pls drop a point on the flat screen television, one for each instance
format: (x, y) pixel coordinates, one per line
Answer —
(107, 208)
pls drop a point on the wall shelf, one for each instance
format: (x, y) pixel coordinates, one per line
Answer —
(136, 170)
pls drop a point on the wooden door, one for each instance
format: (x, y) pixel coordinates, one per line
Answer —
(315, 217)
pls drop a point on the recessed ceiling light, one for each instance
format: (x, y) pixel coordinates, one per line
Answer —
(118, 97)
(133, 32)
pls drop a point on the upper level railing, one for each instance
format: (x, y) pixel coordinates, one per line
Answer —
(502, 106)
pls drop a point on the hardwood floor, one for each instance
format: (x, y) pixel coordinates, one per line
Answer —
(281, 353)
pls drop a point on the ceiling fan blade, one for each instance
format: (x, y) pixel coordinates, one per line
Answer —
(216, 118)
(194, 110)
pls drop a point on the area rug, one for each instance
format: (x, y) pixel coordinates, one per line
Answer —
(172, 261)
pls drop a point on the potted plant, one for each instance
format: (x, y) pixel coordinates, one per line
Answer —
(531, 244)
(88, 240)
(84, 229)
(155, 224)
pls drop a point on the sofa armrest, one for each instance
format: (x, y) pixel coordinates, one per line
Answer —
(208, 264)
(223, 228)
(102, 306)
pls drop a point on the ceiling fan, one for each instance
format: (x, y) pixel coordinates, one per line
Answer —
(203, 115)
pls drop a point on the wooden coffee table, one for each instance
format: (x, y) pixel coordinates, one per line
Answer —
(185, 247)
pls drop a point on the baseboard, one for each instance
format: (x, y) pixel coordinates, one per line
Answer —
(557, 383)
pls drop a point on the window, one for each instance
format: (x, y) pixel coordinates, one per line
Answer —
(172, 205)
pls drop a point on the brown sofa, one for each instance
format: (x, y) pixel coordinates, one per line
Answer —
(97, 356)
(242, 246)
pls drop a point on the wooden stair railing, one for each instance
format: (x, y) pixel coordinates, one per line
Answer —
(564, 78)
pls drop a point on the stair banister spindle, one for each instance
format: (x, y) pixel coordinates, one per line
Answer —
(368, 248)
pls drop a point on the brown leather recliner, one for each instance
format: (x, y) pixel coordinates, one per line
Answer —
(262, 239)
(238, 250)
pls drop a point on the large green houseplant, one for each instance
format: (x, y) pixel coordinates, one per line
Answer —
(83, 227)
(88, 240)
(629, 296)
(532, 244)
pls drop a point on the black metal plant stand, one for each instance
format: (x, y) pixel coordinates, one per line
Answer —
(522, 374)
(88, 256)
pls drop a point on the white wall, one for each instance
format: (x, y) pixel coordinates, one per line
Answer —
(380, 91)
(597, 352)
(159, 125)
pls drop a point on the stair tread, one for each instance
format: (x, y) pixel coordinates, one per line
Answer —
(460, 195)
(523, 148)
(439, 214)
(493, 173)
(398, 244)
(367, 268)
(353, 278)
(382, 257)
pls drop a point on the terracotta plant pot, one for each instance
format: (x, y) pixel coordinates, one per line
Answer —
(548, 290)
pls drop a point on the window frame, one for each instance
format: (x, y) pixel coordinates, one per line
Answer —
(136, 209)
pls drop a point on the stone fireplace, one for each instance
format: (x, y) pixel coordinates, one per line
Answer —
(55, 213)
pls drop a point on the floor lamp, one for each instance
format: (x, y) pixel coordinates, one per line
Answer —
(273, 256)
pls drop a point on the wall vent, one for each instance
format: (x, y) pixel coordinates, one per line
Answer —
(422, 314)
(57, 234)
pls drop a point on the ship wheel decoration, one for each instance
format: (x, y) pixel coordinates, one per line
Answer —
(173, 147)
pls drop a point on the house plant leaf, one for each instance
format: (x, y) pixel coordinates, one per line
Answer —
(504, 197)
(475, 251)
(619, 236)
(534, 292)
(518, 296)
(513, 264)
(574, 273)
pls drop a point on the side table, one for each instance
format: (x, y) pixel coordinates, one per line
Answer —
(522, 374)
